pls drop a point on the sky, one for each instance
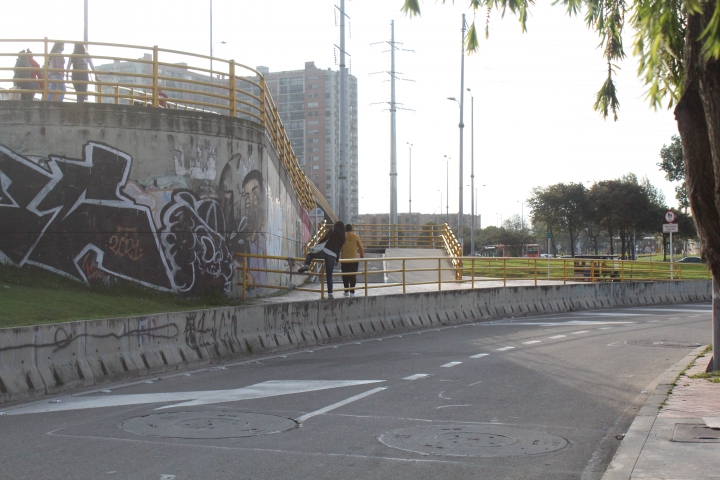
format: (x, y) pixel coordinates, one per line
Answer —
(533, 93)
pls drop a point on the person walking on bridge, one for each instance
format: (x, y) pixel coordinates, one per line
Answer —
(331, 244)
(350, 251)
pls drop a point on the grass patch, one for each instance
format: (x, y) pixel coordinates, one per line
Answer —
(32, 296)
(711, 374)
(557, 269)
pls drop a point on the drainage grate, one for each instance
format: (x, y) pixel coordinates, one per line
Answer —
(208, 425)
(661, 343)
(473, 441)
(695, 433)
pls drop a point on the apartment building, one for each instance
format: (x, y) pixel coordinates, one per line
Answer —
(309, 104)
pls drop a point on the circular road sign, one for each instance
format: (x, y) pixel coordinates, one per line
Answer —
(670, 216)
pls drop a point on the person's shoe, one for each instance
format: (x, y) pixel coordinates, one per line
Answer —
(303, 269)
(346, 294)
(330, 295)
(352, 294)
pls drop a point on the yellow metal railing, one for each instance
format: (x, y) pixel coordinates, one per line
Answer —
(399, 235)
(478, 270)
(160, 78)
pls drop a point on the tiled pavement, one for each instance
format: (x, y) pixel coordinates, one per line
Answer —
(693, 397)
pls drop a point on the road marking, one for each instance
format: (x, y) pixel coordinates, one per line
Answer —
(416, 376)
(474, 383)
(339, 404)
(610, 314)
(558, 336)
(504, 349)
(450, 364)
(448, 406)
(679, 310)
(270, 388)
(531, 342)
(480, 355)
(605, 328)
(581, 331)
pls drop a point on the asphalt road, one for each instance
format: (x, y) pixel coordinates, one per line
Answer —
(539, 397)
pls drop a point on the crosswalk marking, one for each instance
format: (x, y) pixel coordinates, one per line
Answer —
(581, 331)
(558, 336)
(531, 342)
(480, 355)
(451, 364)
(503, 349)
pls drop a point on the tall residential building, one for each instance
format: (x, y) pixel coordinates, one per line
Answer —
(309, 104)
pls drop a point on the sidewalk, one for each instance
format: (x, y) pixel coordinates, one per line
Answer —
(375, 289)
(671, 437)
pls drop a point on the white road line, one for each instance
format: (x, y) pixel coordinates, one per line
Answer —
(503, 349)
(558, 336)
(531, 342)
(339, 404)
(581, 331)
(605, 328)
(451, 364)
(480, 355)
(474, 383)
(448, 406)
(416, 376)
(678, 310)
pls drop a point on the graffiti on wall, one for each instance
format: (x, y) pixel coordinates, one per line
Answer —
(86, 220)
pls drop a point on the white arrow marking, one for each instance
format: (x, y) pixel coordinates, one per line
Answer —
(271, 388)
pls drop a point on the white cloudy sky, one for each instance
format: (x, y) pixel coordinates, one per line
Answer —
(534, 123)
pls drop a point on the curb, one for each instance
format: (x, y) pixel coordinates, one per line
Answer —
(627, 455)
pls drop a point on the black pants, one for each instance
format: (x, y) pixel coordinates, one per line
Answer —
(349, 280)
(80, 88)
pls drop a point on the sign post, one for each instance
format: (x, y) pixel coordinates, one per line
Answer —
(549, 238)
(669, 227)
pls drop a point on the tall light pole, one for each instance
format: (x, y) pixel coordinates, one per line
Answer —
(472, 173)
(461, 125)
(410, 186)
(447, 190)
(85, 37)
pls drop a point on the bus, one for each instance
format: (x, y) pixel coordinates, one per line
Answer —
(527, 250)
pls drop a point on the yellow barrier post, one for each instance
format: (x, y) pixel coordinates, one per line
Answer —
(155, 88)
(651, 272)
(439, 275)
(244, 275)
(536, 267)
(263, 101)
(232, 88)
(322, 281)
(366, 277)
(117, 93)
(472, 272)
(592, 271)
(403, 273)
(504, 272)
(622, 271)
(45, 72)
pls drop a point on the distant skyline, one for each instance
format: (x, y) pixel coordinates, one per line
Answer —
(534, 123)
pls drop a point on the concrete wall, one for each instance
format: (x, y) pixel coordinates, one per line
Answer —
(158, 197)
(60, 357)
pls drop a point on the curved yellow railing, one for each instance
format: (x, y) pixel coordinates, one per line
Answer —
(159, 78)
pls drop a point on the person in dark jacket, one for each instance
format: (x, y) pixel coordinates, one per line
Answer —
(333, 240)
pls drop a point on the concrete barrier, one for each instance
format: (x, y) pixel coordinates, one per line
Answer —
(66, 356)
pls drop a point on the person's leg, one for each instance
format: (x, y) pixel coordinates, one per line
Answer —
(63, 89)
(329, 266)
(308, 260)
(346, 268)
(353, 278)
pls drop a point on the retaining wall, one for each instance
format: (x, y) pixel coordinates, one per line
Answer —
(59, 357)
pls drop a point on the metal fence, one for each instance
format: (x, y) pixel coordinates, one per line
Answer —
(151, 77)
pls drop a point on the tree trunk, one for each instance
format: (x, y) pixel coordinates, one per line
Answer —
(698, 117)
(572, 243)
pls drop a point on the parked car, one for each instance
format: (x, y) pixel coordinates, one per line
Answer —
(545, 255)
(691, 260)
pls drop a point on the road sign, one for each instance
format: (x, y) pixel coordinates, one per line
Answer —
(670, 228)
(316, 215)
(549, 234)
(670, 216)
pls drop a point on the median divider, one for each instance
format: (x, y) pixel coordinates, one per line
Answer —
(54, 358)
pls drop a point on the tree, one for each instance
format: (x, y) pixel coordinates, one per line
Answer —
(563, 205)
(673, 164)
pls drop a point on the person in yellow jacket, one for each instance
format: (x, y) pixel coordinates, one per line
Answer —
(350, 250)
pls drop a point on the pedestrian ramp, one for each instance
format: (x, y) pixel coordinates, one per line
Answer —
(418, 258)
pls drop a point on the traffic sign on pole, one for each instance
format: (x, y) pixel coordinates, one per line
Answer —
(670, 217)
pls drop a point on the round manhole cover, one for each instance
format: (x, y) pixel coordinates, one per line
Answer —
(207, 425)
(661, 343)
(472, 441)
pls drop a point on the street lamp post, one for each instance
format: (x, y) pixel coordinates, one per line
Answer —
(472, 173)
(85, 37)
(410, 186)
(447, 190)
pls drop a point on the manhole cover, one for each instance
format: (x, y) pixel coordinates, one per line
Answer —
(472, 441)
(661, 343)
(695, 433)
(206, 425)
